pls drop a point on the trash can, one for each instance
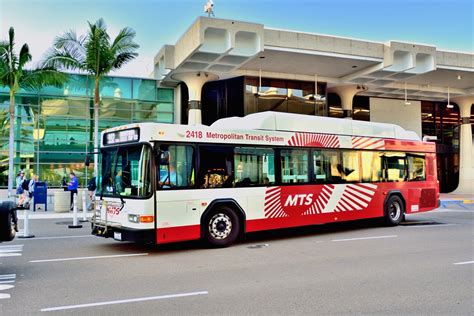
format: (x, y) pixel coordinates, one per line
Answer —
(61, 201)
(40, 197)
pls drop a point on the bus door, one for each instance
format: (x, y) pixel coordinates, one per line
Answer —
(178, 206)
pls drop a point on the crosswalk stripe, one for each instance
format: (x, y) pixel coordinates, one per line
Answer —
(7, 276)
(10, 254)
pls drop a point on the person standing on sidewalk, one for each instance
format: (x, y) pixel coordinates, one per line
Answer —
(72, 187)
(91, 187)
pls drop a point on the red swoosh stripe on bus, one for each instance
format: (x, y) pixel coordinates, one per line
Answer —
(356, 197)
(316, 140)
(367, 143)
(321, 201)
(273, 207)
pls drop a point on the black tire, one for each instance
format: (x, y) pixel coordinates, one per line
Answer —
(221, 227)
(7, 218)
(394, 211)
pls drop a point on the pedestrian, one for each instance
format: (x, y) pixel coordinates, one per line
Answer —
(19, 180)
(72, 187)
(24, 198)
(31, 190)
(91, 187)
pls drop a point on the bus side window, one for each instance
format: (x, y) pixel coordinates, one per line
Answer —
(350, 166)
(179, 172)
(371, 162)
(254, 166)
(294, 165)
(416, 167)
(216, 167)
(395, 169)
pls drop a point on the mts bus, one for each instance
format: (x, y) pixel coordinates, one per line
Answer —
(165, 183)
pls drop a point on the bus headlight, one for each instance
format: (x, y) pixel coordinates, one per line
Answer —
(134, 218)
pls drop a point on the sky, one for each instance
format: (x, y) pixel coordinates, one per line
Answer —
(448, 24)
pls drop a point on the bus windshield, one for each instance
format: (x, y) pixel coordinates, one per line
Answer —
(126, 171)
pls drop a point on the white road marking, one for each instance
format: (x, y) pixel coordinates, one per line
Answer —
(7, 276)
(10, 254)
(87, 258)
(4, 287)
(11, 251)
(452, 211)
(4, 296)
(6, 282)
(427, 226)
(61, 237)
(465, 262)
(365, 238)
(11, 246)
(133, 300)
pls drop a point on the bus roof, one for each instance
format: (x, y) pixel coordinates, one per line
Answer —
(276, 121)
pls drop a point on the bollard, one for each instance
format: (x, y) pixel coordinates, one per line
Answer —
(74, 213)
(26, 222)
(84, 207)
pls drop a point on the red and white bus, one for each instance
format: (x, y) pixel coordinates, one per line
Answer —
(165, 183)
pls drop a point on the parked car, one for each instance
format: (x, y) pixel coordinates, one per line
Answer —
(8, 221)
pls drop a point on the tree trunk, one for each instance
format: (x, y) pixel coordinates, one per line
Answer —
(11, 148)
(96, 126)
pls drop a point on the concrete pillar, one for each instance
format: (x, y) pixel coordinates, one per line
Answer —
(466, 161)
(195, 81)
(347, 93)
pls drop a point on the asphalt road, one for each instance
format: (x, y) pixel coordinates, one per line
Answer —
(422, 267)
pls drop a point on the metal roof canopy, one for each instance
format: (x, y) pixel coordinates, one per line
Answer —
(232, 48)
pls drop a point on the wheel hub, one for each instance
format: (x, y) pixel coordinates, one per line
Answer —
(395, 211)
(220, 226)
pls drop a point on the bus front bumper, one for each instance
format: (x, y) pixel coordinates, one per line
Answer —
(125, 234)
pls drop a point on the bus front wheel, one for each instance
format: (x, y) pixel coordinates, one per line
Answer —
(8, 221)
(221, 227)
(394, 211)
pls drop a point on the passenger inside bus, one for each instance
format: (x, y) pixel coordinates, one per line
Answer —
(168, 175)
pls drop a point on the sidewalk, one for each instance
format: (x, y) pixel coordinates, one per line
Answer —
(50, 215)
(457, 201)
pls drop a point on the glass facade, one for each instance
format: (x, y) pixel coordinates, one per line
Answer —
(54, 126)
(284, 96)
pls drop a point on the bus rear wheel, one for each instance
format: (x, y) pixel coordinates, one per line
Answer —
(394, 211)
(221, 227)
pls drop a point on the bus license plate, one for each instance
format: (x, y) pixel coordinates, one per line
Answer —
(118, 236)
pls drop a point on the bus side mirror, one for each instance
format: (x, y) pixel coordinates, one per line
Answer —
(87, 161)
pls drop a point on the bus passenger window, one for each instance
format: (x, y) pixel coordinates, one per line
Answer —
(179, 171)
(371, 166)
(395, 170)
(254, 166)
(294, 166)
(350, 166)
(416, 167)
(215, 167)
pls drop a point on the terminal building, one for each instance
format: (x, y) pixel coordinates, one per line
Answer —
(222, 68)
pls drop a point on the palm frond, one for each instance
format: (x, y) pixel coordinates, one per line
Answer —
(24, 57)
(122, 59)
(3, 49)
(99, 57)
(62, 59)
(12, 58)
(69, 42)
(124, 43)
(38, 78)
(11, 37)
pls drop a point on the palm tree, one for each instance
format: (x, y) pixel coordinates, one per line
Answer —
(14, 75)
(95, 54)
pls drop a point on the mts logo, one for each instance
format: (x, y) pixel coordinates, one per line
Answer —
(299, 199)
